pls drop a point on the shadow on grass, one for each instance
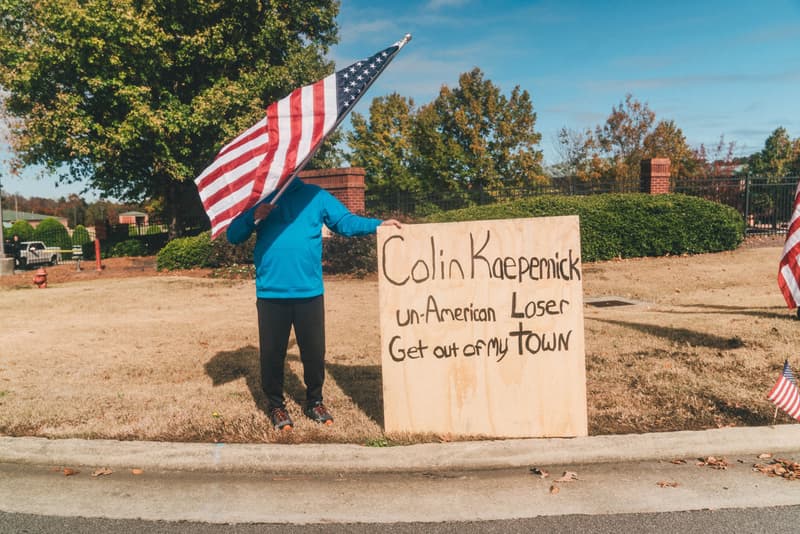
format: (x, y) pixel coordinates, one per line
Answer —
(697, 339)
(738, 310)
(363, 384)
(228, 366)
(740, 413)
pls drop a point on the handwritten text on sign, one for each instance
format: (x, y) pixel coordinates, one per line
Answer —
(482, 327)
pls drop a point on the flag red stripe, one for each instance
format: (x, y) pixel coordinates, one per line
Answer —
(205, 181)
(788, 267)
(296, 129)
(319, 114)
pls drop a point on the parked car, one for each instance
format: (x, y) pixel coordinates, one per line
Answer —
(36, 253)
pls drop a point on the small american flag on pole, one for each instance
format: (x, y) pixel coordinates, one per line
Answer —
(269, 154)
(784, 393)
(789, 269)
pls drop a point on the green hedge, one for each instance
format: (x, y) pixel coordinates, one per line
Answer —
(200, 251)
(627, 225)
(129, 247)
(349, 255)
(612, 226)
(185, 253)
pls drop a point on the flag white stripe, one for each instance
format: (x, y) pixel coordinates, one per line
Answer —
(230, 200)
(793, 408)
(331, 109)
(792, 241)
(220, 225)
(791, 282)
(284, 118)
(230, 177)
(307, 122)
(260, 124)
(780, 393)
(232, 155)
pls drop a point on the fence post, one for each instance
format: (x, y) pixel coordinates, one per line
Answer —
(747, 224)
(97, 255)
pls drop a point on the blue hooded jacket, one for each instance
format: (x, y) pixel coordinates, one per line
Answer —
(288, 251)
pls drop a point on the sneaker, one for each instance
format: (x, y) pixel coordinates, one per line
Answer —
(280, 418)
(318, 413)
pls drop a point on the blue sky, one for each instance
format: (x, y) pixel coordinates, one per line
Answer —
(716, 68)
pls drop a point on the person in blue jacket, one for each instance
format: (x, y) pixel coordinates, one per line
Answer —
(289, 288)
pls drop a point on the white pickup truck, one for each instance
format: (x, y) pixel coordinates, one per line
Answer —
(36, 253)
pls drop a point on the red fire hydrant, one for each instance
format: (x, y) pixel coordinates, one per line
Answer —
(40, 278)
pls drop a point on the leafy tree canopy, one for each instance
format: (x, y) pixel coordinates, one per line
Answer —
(470, 140)
(135, 97)
(779, 157)
(615, 149)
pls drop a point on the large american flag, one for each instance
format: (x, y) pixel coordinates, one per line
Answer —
(785, 394)
(267, 155)
(789, 268)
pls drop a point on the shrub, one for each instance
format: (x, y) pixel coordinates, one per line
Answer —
(53, 233)
(80, 235)
(129, 247)
(627, 225)
(21, 228)
(223, 253)
(185, 253)
(349, 255)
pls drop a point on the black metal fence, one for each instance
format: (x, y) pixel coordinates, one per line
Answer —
(766, 203)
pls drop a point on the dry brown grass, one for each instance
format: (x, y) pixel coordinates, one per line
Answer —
(175, 358)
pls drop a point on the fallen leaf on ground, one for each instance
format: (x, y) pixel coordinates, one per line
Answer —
(568, 476)
(666, 484)
(445, 438)
(102, 471)
(554, 490)
(764, 456)
(678, 461)
(540, 472)
(136, 471)
(68, 471)
(713, 462)
(787, 469)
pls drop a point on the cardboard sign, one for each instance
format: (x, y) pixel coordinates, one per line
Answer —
(482, 328)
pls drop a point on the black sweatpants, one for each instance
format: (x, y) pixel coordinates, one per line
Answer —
(276, 317)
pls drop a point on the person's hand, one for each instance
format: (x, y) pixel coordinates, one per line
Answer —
(262, 211)
(392, 222)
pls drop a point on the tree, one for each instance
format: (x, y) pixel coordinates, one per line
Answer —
(667, 141)
(613, 153)
(622, 137)
(137, 96)
(383, 146)
(717, 161)
(779, 157)
(579, 151)
(478, 138)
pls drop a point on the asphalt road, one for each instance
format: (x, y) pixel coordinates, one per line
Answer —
(775, 520)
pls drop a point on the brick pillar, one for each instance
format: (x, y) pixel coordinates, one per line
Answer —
(345, 184)
(654, 177)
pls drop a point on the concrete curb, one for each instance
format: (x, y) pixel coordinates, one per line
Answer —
(459, 456)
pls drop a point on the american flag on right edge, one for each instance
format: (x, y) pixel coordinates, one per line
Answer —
(785, 394)
(789, 268)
